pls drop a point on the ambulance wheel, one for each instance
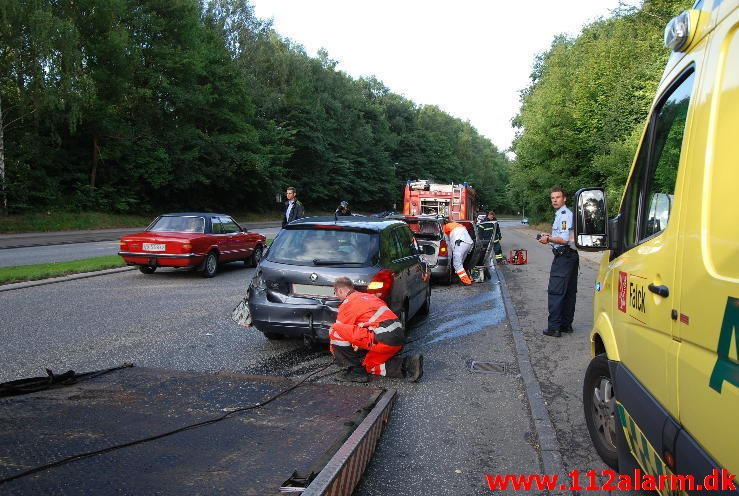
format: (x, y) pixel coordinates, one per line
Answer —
(599, 403)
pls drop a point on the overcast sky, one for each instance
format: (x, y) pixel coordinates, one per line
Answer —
(469, 57)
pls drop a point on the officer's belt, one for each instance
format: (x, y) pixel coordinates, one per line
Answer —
(563, 251)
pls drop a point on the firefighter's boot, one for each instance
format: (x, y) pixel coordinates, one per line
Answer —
(464, 277)
(353, 374)
(413, 368)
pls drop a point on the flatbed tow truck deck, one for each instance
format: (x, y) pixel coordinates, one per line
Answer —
(318, 434)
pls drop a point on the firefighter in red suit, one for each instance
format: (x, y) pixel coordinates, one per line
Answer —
(367, 337)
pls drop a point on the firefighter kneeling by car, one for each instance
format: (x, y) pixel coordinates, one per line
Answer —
(367, 336)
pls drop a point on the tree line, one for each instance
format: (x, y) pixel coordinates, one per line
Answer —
(583, 113)
(150, 105)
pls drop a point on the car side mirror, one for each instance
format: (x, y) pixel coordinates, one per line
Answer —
(591, 220)
(428, 250)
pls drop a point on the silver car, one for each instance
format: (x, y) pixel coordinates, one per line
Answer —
(292, 292)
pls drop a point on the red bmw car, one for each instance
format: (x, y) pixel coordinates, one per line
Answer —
(197, 240)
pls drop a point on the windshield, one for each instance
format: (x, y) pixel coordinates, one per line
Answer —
(186, 224)
(324, 247)
(424, 229)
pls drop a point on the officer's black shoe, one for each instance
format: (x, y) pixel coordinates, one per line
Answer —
(413, 368)
(353, 374)
(552, 332)
(567, 329)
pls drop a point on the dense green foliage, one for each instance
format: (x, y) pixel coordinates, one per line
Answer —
(148, 105)
(583, 113)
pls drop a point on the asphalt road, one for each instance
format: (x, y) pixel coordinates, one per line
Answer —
(445, 434)
(72, 245)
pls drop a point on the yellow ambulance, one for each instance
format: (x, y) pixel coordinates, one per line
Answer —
(662, 389)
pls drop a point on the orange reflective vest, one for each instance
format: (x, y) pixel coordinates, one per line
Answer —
(364, 320)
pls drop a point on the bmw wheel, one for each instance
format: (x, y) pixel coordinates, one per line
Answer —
(599, 402)
(255, 258)
(210, 265)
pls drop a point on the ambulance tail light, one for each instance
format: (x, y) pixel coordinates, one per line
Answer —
(443, 249)
(381, 284)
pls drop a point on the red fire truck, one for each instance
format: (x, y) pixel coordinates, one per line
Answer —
(456, 201)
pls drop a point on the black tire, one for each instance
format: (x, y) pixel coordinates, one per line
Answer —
(255, 258)
(446, 279)
(147, 269)
(426, 307)
(273, 336)
(210, 265)
(599, 405)
(403, 318)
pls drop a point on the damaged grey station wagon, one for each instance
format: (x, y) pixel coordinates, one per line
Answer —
(292, 294)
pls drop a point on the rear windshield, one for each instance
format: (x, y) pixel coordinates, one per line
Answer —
(187, 224)
(324, 247)
(424, 229)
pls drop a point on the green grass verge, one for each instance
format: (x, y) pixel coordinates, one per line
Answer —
(42, 271)
(75, 221)
(66, 221)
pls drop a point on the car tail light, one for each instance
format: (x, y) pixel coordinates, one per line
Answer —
(443, 250)
(186, 248)
(382, 284)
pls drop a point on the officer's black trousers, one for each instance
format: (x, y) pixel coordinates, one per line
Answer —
(562, 290)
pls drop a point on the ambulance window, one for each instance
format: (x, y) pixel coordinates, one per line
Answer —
(650, 196)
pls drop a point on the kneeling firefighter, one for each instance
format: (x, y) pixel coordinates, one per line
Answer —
(367, 336)
(461, 243)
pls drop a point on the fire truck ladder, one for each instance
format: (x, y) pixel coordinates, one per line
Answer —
(456, 207)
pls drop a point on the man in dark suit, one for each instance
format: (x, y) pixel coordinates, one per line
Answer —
(293, 208)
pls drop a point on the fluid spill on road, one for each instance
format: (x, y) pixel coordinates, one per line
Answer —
(472, 314)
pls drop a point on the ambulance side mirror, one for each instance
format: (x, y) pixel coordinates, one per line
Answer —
(591, 220)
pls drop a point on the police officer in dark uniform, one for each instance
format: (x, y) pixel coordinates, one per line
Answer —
(563, 274)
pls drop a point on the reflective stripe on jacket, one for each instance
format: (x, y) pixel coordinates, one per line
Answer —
(364, 320)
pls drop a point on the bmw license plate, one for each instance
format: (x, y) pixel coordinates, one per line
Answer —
(153, 247)
(310, 290)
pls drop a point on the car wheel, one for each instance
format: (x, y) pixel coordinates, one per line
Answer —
(210, 265)
(147, 269)
(599, 403)
(272, 336)
(255, 258)
(403, 318)
(426, 307)
(446, 279)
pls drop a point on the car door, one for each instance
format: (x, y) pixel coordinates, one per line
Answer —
(237, 240)
(409, 263)
(220, 240)
(644, 272)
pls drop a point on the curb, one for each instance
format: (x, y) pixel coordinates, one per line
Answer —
(551, 457)
(71, 277)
